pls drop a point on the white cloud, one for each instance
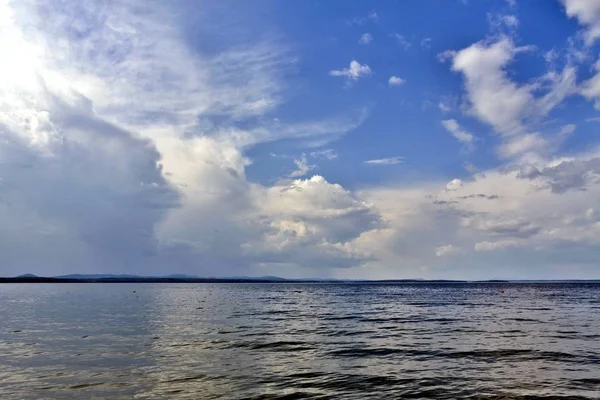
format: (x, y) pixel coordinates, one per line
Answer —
(494, 98)
(396, 81)
(386, 161)
(353, 72)
(510, 21)
(329, 154)
(371, 17)
(454, 184)
(366, 38)
(512, 109)
(472, 168)
(588, 14)
(446, 250)
(497, 100)
(516, 218)
(426, 43)
(311, 133)
(522, 144)
(460, 134)
(501, 21)
(591, 88)
(550, 56)
(401, 40)
(302, 167)
(444, 107)
(567, 130)
(308, 223)
(590, 214)
(565, 174)
(500, 244)
(446, 55)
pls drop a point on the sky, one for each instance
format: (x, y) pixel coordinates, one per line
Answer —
(452, 139)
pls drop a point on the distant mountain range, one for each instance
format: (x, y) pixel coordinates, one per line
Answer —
(174, 278)
(182, 278)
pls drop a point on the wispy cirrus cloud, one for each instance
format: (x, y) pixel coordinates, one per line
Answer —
(459, 133)
(386, 161)
(302, 167)
(401, 41)
(372, 17)
(366, 38)
(328, 154)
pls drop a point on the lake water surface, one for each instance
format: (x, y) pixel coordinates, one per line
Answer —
(269, 341)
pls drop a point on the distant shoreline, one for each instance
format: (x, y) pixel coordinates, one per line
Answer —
(208, 280)
(36, 279)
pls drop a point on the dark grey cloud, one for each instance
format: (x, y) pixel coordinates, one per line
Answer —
(100, 181)
(480, 196)
(565, 176)
(511, 228)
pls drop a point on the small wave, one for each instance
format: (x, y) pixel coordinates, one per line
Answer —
(524, 320)
(523, 397)
(186, 379)
(287, 396)
(307, 375)
(511, 353)
(275, 312)
(349, 333)
(373, 352)
(489, 355)
(87, 385)
(274, 346)
(340, 382)
(342, 318)
(410, 320)
(586, 383)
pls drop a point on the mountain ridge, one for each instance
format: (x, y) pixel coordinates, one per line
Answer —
(183, 278)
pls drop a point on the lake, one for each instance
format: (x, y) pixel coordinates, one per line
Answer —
(288, 341)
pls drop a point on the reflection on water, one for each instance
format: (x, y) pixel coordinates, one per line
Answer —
(264, 341)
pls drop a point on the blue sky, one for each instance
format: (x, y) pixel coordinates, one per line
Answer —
(435, 139)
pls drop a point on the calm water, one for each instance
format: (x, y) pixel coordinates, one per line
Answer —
(263, 341)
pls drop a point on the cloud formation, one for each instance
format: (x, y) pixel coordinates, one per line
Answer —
(108, 169)
(124, 149)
